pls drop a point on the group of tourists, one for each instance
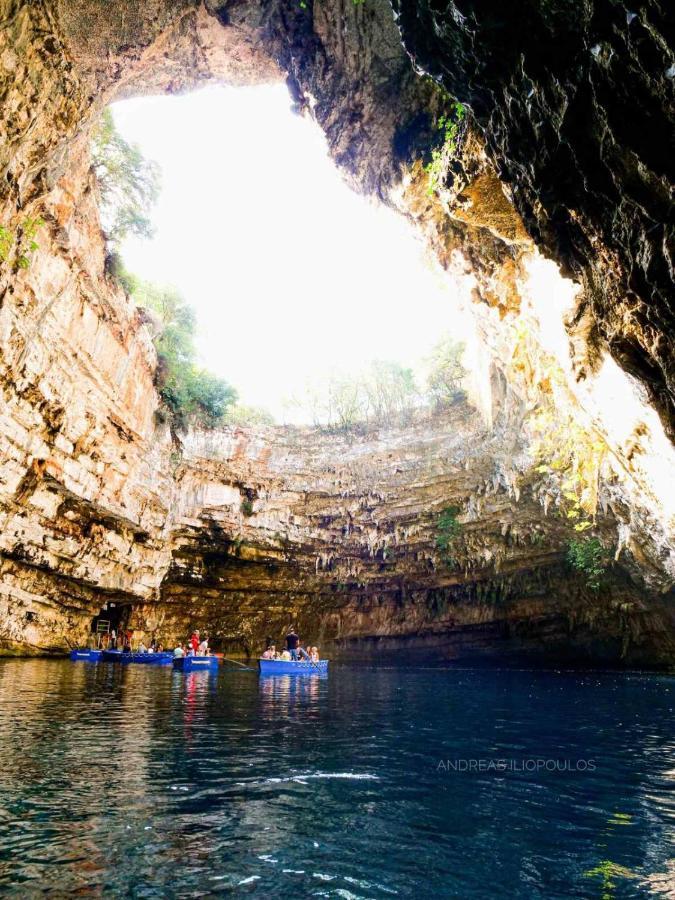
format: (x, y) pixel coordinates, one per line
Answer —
(114, 640)
(121, 640)
(292, 651)
(196, 646)
(153, 647)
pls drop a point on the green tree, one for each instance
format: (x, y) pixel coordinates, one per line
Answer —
(346, 402)
(385, 393)
(446, 373)
(241, 414)
(391, 392)
(128, 183)
(190, 393)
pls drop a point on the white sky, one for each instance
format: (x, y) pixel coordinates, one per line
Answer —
(292, 275)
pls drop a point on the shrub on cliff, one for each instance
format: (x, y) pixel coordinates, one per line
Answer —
(588, 557)
(449, 130)
(129, 187)
(190, 394)
(448, 529)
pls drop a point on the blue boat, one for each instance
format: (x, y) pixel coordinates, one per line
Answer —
(85, 655)
(196, 663)
(153, 659)
(148, 659)
(292, 667)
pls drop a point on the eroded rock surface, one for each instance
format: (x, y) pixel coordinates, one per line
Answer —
(339, 535)
(576, 105)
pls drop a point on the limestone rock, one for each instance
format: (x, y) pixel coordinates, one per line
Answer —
(99, 505)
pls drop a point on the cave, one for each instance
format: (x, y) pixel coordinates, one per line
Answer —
(244, 530)
(111, 618)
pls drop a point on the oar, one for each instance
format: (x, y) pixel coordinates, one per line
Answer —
(241, 665)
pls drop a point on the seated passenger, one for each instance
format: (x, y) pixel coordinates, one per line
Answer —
(270, 653)
(191, 651)
(285, 656)
(178, 653)
(314, 655)
(302, 653)
(142, 648)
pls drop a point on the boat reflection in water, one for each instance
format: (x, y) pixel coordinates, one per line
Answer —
(282, 696)
(289, 685)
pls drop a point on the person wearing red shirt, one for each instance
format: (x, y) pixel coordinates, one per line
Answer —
(195, 641)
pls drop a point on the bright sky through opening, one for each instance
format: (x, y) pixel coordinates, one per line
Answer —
(292, 275)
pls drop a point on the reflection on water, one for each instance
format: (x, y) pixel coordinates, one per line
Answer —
(143, 782)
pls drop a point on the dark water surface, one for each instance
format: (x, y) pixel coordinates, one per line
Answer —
(141, 782)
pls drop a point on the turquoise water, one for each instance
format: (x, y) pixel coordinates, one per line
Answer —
(141, 782)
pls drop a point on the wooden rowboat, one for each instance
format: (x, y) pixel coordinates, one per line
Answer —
(292, 667)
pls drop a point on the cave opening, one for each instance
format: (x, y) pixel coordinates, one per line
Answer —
(355, 560)
(110, 623)
(299, 285)
(524, 467)
(509, 507)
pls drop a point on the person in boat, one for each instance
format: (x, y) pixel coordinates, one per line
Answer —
(178, 652)
(195, 641)
(292, 641)
(270, 652)
(314, 655)
(302, 653)
(203, 649)
(285, 656)
(142, 648)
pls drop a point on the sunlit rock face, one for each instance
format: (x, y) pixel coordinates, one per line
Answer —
(339, 536)
(98, 505)
(84, 487)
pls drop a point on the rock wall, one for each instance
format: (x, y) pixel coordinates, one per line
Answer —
(98, 505)
(338, 534)
(575, 103)
(85, 489)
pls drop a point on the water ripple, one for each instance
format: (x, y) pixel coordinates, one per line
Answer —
(133, 782)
